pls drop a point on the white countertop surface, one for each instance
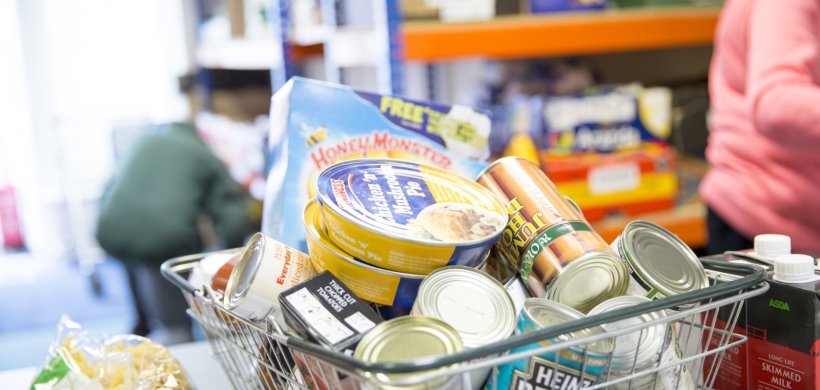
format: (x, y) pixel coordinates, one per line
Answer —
(203, 370)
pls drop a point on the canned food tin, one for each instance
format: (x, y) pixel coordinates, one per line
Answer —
(644, 349)
(264, 269)
(518, 293)
(408, 217)
(370, 283)
(546, 236)
(410, 338)
(209, 271)
(660, 264)
(499, 268)
(553, 370)
(575, 206)
(473, 303)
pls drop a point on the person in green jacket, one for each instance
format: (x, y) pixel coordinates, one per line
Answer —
(164, 184)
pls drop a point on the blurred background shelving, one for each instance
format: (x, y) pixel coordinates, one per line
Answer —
(460, 58)
(524, 36)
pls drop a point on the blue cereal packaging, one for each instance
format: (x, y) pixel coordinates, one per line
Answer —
(607, 119)
(316, 124)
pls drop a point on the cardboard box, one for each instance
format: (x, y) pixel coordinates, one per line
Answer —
(783, 349)
(607, 119)
(783, 329)
(633, 181)
(315, 124)
(544, 6)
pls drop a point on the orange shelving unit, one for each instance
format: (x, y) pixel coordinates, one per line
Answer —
(562, 34)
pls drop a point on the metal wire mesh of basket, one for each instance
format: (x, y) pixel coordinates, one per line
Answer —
(260, 355)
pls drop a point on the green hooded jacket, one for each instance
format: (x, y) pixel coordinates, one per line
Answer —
(149, 210)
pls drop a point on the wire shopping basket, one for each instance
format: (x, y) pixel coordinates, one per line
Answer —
(260, 355)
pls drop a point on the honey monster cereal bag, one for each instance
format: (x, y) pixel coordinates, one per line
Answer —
(315, 124)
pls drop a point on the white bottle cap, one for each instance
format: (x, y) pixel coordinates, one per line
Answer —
(794, 269)
(770, 246)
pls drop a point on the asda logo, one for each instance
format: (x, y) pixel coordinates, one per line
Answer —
(778, 304)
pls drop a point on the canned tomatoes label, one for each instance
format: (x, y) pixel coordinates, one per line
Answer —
(408, 217)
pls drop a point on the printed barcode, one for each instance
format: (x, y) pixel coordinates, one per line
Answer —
(359, 322)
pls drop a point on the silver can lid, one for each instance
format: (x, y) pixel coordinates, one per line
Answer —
(545, 313)
(646, 343)
(244, 272)
(590, 280)
(405, 339)
(472, 302)
(661, 259)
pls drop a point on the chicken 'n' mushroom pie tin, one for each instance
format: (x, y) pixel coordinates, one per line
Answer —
(370, 283)
(408, 217)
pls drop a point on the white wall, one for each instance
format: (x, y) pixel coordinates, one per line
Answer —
(90, 66)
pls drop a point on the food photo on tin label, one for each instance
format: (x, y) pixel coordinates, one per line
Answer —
(408, 217)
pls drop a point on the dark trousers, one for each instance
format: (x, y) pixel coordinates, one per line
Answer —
(160, 304)
(723, 237)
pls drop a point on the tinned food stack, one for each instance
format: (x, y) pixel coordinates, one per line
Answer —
(373, 284)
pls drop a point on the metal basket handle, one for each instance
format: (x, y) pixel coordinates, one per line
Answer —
(755, 276)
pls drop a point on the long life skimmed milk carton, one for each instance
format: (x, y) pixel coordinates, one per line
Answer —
(783, 330)
(315, 124)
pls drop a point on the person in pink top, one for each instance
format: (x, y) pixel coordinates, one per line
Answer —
(764, 141)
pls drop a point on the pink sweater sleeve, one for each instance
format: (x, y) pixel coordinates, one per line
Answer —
(784, 95)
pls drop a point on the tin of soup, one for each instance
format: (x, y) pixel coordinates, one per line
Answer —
(660, 264)
(407, 217)
(541, 371)
(644, 349)
(548, 241)
(264, 269)
(410, 338)
(473, 303)
(370, 283)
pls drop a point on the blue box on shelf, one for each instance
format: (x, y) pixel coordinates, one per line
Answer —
(545, 6)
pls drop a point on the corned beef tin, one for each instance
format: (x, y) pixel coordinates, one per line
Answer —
(548, 241)
(408, 217)
(370, 283)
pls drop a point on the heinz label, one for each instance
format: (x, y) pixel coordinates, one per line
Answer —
(316, 124)
(544, 375)
(548, 371)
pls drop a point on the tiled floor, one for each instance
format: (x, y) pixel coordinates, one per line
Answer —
(36, 293)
